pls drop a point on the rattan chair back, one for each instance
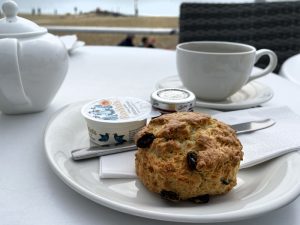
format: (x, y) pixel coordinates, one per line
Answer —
(271, 25)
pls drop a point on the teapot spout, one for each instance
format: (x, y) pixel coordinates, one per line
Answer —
(11, 87)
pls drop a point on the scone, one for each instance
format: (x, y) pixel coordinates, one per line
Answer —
(187, 155)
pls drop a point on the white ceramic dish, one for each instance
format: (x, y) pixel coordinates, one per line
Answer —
(260, 189)
(252, 94)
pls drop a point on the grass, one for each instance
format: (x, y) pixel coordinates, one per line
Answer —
(92, 19)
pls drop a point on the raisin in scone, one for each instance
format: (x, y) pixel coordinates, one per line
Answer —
(188, 155)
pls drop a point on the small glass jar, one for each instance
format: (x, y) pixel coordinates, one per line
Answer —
(170, 100)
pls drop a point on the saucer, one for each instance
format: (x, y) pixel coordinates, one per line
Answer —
(251, 95)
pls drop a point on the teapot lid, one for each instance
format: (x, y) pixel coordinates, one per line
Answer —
(12, 25)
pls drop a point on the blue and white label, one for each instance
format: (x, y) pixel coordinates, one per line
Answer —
(118, 109)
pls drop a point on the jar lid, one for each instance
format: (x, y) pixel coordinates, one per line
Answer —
(12, 25)
(117, 110)
(173, 99)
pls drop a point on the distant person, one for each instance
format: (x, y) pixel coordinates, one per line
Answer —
(147, 42)
(128, 41)
(144, 42)
(151, 42)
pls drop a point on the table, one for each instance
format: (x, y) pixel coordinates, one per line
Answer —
(31, 194)
(290, 69)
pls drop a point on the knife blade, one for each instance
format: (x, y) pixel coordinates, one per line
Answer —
(96, 151)
(247, 127)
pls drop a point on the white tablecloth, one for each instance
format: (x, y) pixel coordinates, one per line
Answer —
(31, 194)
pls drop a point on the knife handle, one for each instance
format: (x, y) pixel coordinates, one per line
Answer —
(96, 151)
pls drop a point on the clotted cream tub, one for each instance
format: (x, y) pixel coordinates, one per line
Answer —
(115, 120)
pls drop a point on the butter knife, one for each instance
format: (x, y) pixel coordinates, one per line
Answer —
(96, 151)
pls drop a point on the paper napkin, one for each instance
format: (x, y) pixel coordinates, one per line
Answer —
(258, 146)
(71, 42)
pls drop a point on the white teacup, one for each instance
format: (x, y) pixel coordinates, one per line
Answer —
(216, 70)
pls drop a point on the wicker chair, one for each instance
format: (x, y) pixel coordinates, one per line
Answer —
(272, 25)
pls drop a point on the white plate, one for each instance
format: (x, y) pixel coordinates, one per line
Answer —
(252, 94)
(260, 189)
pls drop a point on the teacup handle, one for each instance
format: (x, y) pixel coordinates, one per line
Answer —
(11, 86)
(269, 68)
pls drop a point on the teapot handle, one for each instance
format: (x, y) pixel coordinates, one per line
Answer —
(11, 86)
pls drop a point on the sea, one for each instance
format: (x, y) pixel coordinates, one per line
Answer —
(144, 7)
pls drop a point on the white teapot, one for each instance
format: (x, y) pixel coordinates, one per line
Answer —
(33, 64)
